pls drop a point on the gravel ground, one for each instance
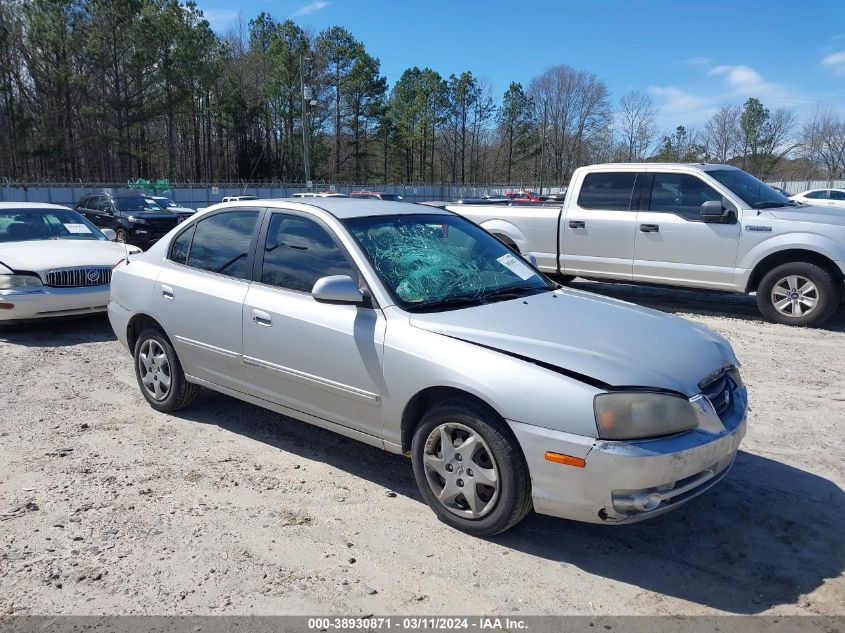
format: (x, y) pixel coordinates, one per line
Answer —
(108, 507)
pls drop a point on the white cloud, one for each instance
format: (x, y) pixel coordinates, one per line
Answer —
(697, 61)
(679, 107)
(836, 62)
(220, 19)
(310, 8)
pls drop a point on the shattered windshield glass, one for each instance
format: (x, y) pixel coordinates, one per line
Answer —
(433, 261)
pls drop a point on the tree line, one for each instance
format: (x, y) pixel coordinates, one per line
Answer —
(108, 90)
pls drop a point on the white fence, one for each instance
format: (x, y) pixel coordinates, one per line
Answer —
(203, 196)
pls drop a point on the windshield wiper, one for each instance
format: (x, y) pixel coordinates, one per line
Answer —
(448, 302)
(511, 292)
(770, 204)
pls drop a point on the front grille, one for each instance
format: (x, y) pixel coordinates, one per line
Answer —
(720, 394)
(79, 277)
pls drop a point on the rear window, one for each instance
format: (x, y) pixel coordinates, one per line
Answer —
(221, 243)
(609, 191)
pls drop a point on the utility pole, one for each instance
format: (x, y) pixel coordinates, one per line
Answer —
(543, 148)
(305, 101)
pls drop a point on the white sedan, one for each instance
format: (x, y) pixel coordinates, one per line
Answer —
(822, 197)
(53, 262)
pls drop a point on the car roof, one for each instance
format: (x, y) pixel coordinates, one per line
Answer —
(343, 208)
(31, 205)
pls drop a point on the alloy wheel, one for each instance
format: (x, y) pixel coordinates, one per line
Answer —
(461, 470)
(795, 296)
(154, 368)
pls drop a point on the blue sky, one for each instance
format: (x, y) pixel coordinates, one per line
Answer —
(691, 57)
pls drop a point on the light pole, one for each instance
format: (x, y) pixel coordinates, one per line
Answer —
(543, 148)
(306, 98)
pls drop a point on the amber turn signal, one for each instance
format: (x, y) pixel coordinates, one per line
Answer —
(567, 460)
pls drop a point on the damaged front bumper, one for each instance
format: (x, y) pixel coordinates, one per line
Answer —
(627, 481)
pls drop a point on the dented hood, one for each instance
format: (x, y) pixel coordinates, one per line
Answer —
(593, 338)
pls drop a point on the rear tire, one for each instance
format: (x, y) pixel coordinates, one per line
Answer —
(799, 293)
(483, 489)
(159, 373)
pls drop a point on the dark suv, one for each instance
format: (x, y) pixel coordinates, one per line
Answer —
(136, 218)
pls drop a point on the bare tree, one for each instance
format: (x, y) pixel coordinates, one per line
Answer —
(722, 134)
(823, 140)
(576, 107)
(635, 122)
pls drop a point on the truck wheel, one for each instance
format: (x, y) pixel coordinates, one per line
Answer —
(160, 374)
(470, 469)
(120, 234)
(799, 293)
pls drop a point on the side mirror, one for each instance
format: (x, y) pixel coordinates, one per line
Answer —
(714, 211)
(337, 289)
(109, 234)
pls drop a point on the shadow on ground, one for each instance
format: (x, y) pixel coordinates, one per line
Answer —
(719, 304)
(765, 536)
(60, 332)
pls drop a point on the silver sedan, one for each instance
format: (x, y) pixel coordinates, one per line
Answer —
(412, 329)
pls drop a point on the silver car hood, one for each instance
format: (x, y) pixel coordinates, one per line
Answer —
(820, 215)
(592, 338)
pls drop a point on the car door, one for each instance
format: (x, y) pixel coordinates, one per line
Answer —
(817, 197)
(673, 245)
(837, 198)
(87, 207)
(597, 231)
(318, 358)
(200, 291)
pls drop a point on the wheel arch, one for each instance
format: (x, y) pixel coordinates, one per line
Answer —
(423, 400)
(791, 255)
(137, 324)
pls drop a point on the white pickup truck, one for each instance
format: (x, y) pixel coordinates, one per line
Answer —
(687, 225)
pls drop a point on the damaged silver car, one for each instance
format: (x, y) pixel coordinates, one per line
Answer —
(414, 330)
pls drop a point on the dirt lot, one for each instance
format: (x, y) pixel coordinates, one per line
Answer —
(109, 507)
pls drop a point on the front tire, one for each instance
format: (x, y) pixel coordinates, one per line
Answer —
(799, 293)
(120, 235)
(159, 373)
(469, 468)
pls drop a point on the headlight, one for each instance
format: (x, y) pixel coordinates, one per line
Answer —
(19, 281)
(628, 415)
(134, 219)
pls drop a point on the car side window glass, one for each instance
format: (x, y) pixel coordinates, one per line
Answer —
(837, 195)
(181, 245)
(298, 252)
(221, 243)
(681, 194)
(83, 203)
(103, 204)
(609, 191)
(817, 195)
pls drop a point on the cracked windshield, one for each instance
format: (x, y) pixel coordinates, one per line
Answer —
(433, 261)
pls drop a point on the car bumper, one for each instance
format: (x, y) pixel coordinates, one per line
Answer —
(44, 302)
(623, 482)
(119, 318)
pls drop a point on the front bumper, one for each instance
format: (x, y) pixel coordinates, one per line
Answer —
(45, 301)
(628, 481)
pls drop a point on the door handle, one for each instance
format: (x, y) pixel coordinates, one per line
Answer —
(577, 224)
(649, 228)
(167, 292)
(259, 317)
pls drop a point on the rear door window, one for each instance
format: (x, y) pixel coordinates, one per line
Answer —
(837, 195)
(821, 194)
(610, 191)
(221, 243)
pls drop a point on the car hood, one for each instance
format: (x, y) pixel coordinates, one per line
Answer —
(44, 255)
(821, 215)
(592, 338)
